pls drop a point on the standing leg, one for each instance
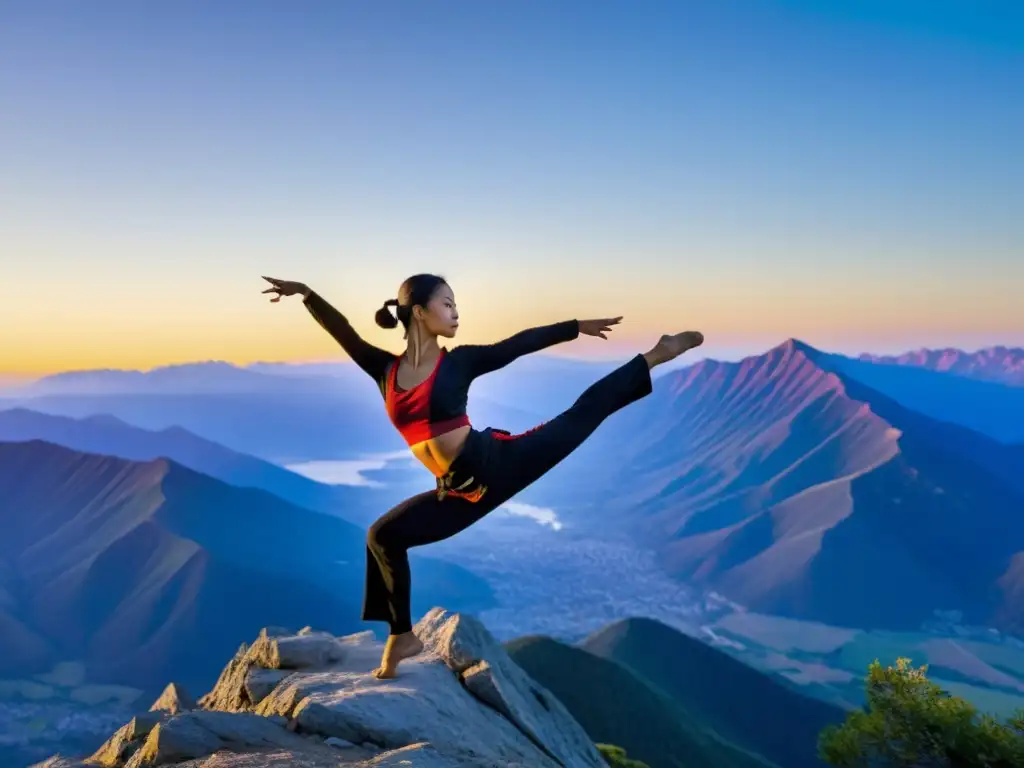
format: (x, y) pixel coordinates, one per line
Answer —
(421, 519)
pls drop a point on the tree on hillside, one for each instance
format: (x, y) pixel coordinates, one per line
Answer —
(911, 721)
(616, 757)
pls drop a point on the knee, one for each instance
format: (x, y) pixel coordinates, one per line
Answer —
(380, 537)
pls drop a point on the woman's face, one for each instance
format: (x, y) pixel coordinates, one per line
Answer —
(440, 317)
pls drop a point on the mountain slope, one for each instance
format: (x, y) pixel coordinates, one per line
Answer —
(142, 570)
(795, 489)
(615, 706)
(109, 435)
(746, 706)
(999, 363)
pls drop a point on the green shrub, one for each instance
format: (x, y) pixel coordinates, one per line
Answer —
(616, 757)
(911, 721)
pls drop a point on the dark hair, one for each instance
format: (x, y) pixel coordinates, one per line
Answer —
(417, 290)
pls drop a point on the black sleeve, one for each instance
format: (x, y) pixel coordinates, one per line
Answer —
(478, 359)
(371, 359)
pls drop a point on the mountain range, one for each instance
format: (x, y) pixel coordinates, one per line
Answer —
(999, 363)
(140, 569)
(793, 488)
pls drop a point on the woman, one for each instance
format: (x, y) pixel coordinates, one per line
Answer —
(425, 391)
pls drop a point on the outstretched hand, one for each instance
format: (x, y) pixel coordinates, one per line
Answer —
(284, 288)
(598, 327)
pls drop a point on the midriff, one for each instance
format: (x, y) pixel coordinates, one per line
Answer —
(438, 453)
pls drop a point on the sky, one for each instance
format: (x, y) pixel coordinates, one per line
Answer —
(846, 172)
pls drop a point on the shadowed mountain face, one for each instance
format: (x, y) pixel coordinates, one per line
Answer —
(793, 488)
(999, 364)
(146, 570)
(615, 705)
(758, 711)
(987, 406)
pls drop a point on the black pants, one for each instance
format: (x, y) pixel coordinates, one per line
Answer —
(492, 467)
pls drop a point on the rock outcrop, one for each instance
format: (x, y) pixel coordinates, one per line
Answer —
(309, 700)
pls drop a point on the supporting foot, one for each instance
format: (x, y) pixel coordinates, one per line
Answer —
(397, 647)
(669, 347)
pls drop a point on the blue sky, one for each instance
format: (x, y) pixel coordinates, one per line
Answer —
(846, 172)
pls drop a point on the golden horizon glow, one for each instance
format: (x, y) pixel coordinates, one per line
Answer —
(141, 330)
(156, 312)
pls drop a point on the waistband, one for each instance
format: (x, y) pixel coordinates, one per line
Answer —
(467, 476)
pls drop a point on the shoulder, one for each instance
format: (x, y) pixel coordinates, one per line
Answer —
(461, 353)
(459, 356)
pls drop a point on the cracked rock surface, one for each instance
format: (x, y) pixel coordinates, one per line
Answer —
(309, 700)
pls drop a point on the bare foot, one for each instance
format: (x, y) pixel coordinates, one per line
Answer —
(671, 347)
(396, 648)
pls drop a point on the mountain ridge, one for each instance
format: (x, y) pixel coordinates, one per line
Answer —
(773, 478)
(999, 363)
(108, 434)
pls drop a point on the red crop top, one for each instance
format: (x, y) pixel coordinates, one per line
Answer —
(411, 410)
(438, 404)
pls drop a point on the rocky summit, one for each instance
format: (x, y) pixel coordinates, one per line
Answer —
(308, 699)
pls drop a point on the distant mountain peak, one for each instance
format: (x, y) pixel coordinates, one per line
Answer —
(796, 345)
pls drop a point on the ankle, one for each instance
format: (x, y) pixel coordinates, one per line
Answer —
(653, 357)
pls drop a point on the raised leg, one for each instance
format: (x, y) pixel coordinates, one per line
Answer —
(525, 458)
(522, 459)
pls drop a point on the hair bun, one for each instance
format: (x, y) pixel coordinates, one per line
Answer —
(384, 317)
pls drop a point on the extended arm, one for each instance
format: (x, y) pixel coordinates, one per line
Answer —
(371, 359)
(478, 359)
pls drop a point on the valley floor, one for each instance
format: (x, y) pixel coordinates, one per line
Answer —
(554, 583)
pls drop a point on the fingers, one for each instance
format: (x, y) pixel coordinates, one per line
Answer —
(275, 287)
(607, 324)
